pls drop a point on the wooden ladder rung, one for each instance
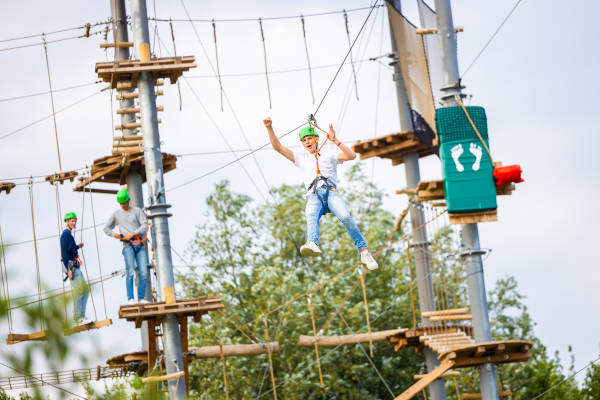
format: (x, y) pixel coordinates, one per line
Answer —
(449, 311)
(116, 45)
(452, 317)
(135, 110)
(162, 378)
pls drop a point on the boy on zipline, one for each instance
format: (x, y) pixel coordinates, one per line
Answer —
(132, 226)
(319, 169)
(72, 267)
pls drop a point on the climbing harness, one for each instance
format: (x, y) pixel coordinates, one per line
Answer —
(312, 123)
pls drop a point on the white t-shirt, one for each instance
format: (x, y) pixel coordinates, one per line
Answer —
(328, 161)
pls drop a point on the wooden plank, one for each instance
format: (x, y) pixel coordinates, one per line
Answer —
(422, 383)
(474, 217)
(151, 345)
(13, 338)
(87, 327)
(388, 150)
(451, 317)
(333, 341)
(448, 311)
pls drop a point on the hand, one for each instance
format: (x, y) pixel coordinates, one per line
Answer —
(117, 236)
(70, 274)
(80, 245)
(268, 122)
(331, 134)
(128, 236)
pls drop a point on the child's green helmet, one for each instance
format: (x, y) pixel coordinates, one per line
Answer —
(70, 215)
(307, 131)
(122, 196)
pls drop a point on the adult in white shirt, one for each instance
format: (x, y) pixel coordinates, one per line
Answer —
(319, 170)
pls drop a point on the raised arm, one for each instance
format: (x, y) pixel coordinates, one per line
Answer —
(277, 146)
(347, 153)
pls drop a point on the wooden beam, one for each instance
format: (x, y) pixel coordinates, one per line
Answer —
(95, 190)
(117, 45)
(427, 314)
(6, 187)
(477, 396)
(162, 378)
(452, 317)
(234, 350)
(135, 110)
(422, 383)
(444, 375)
(332, 341)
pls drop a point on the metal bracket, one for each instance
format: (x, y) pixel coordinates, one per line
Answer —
(474, 252)
(420, 244)
(159, 207)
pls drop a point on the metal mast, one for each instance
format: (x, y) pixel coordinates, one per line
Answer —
(134, 177)
(158, 207)
(469, 234)
(420, 244)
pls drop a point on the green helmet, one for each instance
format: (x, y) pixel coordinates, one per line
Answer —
(307, 131)
(70, 215)
(122, 196)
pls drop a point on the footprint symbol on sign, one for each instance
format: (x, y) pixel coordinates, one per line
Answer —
(456, 151)
(476, 151)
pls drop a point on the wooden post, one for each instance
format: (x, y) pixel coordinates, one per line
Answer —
(361, 272)
(151, 345)
(312, 319)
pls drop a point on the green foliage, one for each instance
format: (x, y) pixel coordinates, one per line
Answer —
(591, 385)
(249, 257)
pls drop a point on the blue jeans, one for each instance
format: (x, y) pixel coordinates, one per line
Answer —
(136, 255)
(80, 291)
(337, 206)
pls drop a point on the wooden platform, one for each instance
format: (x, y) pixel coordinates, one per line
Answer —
(411, 337)
(434, 190)
(467, 356)
(61, 177)
(393, 147)
(195, 308)
(6, 187)
(127, 72)
(474, 217)
(114, 169)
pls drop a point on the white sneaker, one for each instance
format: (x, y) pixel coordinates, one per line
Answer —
(310, 249)
(144, 301)
(367, 259)
(85, 321)
(131, 301)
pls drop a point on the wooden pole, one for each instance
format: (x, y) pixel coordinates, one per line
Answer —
(333, 341)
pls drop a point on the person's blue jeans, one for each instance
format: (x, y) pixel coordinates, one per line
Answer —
(136, 255)
(80, 291)
(337, 206)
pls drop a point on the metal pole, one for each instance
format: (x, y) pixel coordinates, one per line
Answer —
(134, 177)
(158, 207)
(420, 245)
(469, 234)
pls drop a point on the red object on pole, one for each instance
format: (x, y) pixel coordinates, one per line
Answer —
(509, 173)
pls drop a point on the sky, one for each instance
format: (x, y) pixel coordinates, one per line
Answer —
(535, 81)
